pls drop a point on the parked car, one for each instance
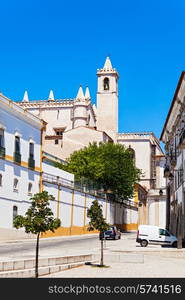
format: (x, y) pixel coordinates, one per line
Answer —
(112, 233)
(149, 234)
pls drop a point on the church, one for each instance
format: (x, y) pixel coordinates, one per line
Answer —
(72, 124)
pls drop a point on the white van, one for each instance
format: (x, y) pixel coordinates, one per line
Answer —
(149, 234)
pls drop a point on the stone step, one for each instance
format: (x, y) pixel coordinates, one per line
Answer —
(18, 264)
(30, 273)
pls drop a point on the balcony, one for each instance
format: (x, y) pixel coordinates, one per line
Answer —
(31, 163)
(182, 140)
(2, 152)
(17, 157)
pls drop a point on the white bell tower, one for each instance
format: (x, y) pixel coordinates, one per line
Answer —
(107, 99)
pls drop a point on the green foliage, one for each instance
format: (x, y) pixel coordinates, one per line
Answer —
(97, 221)
(39, 217)
(108, 165)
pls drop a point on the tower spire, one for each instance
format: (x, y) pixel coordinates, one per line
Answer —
(107, 65)
(80, 94)
(87, 93)
(51, 96)
(25, 97)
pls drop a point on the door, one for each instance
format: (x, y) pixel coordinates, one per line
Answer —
(164, 237)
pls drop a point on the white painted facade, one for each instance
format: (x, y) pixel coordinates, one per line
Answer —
(19, 181)
(173, 136)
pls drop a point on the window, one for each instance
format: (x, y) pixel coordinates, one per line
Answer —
(15, 211)
(31, 150)
(30, 188)
(15, 184)
(163, 232)
(1, 177)
(17, 144)
(1, 138)
(56, 142)
(58, 132)
(132, 152)
(106, 84)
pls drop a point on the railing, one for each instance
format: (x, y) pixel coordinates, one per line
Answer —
(2, 152)
(31, 163)
(17, 157)
(182, 140)
(79, 186)
(130, 203)
(57, 180)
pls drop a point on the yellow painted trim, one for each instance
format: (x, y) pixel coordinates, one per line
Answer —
(8, 157)
(37, 169)
(64, 231)
(58, 202)
(136, 191)
(128, 227)
(22, 164)
(72, 208)
(85, 203)
(41, 181)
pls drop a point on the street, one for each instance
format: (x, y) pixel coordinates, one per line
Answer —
(49, 246)
(135, 261)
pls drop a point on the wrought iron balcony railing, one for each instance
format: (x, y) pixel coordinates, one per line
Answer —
(17, 157)
(2, 152)
(31, 163)
(182, 140)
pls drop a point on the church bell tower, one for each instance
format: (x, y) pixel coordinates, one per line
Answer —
(107, 99)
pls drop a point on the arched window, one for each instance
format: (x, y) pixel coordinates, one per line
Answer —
(106, 83)
(132, 153)
(15, 211)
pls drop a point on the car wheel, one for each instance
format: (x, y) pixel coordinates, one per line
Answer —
(174, 245)
(119, 237)
(143, 243)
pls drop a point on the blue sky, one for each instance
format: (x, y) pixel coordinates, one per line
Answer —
(60, 44)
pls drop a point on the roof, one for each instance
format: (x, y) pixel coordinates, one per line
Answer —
(172, 104)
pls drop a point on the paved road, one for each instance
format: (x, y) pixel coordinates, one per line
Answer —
(49, 246)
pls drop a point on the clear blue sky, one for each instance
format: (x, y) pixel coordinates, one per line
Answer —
(59, 45)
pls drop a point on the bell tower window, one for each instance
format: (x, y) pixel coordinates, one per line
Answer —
(106, 84)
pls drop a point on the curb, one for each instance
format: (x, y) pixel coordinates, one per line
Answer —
(26, 267)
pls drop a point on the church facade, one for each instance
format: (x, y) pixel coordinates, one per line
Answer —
(72, 124)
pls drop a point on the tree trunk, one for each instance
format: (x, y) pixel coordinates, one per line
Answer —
(37, 255)
(101, 260)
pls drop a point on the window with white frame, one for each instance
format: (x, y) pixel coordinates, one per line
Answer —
(30, 186)
(31, 150)
(15, 184)
(15, 211)
(1, 138)
(17, 144)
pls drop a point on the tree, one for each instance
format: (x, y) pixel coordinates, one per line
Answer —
(38, 219)
(108, 165)
(97, 222)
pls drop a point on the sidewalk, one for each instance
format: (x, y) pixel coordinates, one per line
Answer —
(138, 262)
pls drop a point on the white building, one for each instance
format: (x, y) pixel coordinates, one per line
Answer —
(173, 136)
(20, 159)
